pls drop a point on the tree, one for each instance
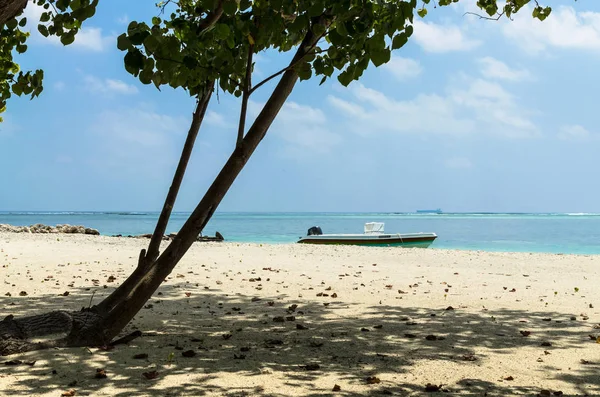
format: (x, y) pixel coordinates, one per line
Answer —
(206, 45)
(61, 18)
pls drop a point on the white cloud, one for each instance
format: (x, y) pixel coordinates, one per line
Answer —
(108, 86)
(301, 127)
(458, 163)
(474, 106)
(216, 119)
(60, 85)
(88, 38)
(33, 12)
(491, 105)
(574, 132)
(123, 20)
(134, 140)
(495, 69)
(92, 39)
(403, 68)
(305, 126)
(564, 28)
(441, 38)
(374, 112)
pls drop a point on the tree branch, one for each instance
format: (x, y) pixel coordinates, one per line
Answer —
(211, 18)
(292, 65)
(245, 97)
(498, 16)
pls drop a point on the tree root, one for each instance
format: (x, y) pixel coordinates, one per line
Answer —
(83, 328)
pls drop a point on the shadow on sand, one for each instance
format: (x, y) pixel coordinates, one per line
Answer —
(236, 334)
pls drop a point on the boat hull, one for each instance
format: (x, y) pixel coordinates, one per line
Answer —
(423, 241)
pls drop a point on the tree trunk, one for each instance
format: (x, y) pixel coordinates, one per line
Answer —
(107, 320)
(153, 248)
(10, 9)
(128, 306)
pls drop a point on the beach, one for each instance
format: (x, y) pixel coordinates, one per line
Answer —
(302, 320)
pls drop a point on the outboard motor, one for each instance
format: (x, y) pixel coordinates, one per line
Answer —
(315, 231)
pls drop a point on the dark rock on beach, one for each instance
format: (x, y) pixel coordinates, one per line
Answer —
(217, 238)
(46, 229)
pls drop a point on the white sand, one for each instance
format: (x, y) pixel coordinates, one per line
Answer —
(223, 278)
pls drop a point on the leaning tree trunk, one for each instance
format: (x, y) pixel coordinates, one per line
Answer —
(10, 9)
(99, 324)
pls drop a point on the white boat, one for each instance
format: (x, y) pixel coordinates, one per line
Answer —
(373, 235)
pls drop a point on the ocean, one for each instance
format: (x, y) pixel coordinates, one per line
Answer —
(552, 233)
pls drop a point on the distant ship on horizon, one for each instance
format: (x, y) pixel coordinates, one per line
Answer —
(436, 211)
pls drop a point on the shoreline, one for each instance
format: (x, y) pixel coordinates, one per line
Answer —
(499, 233)
(145, 238)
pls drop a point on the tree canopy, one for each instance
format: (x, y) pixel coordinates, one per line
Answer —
(192, 42)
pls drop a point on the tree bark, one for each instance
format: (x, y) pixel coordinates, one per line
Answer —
(153, 248)
(245, 97)
(10, 9)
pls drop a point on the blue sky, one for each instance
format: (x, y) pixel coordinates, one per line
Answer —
(471, 115)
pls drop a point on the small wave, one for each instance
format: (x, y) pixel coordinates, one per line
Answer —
(581, 214)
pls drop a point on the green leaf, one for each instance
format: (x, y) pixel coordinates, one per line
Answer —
(345, 78)
(230, 7)
(245, 4)
(123, 42)
(43, 30)
(23, 22)
(380, 57)
(190, 62)
(62, 4)
(89, 12)
(156, 21)
(341, 29)
(139, 37)
(134, 61)
(399, 41)
(68, 38)
(304, 71)
(422, 12)
(45, 17)
(12, 24)
(222, 31)
(132, 27)
(146, 76)
(151, 44)
(17, 89)
(335, 38)
(315, 10)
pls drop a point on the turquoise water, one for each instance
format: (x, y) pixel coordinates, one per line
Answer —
(555, 233)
